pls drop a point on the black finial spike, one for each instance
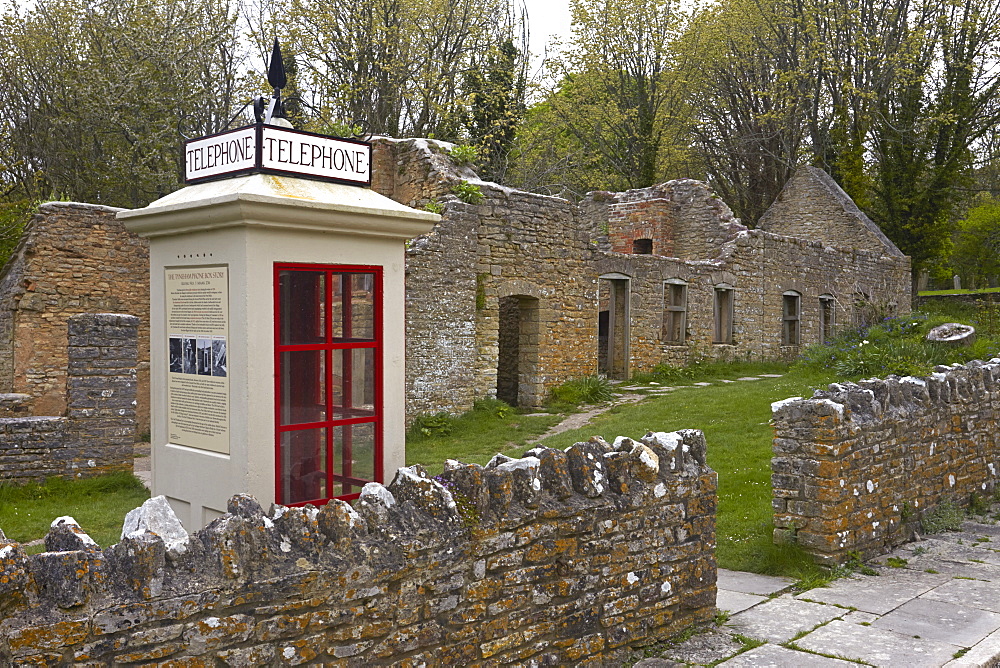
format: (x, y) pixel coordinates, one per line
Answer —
(276, 70)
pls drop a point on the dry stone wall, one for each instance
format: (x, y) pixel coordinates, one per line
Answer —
(98, 432)
(855, 467)
(560, 558)
(73, 258)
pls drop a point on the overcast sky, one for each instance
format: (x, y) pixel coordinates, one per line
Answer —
(545, 19)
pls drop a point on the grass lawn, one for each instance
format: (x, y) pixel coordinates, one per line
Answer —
(932, 293)
(736, 420)
(98, 505)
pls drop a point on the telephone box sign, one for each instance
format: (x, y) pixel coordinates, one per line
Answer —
(271, 149)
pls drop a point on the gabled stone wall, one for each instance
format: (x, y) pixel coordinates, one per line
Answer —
(560, 558)
(855, 467)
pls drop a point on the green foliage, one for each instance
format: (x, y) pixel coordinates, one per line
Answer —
(976, 253)
(468, 192)
(586, 390)
(481, 290)
(496, 102)
(98, 505)
(106, 92)
(946, 517)
(340, 129)
(434, 206)
(464, 154)
(896, 562)
(14, 216)
(431, 424)
(896, 346)
(476, 435)
(855, 564)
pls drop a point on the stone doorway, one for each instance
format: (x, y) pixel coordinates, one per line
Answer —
(613, 326)
(517, 358)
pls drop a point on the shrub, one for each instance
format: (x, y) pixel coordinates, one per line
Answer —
(946, 517)
(586, 390)
(464, 155)
(430, 424)
(434, 206)
(468, 193)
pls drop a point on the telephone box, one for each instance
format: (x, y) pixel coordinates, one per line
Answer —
(276, 333)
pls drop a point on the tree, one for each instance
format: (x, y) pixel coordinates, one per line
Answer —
(976, 255)
(398, 65)
(100, 94)
(496, 106)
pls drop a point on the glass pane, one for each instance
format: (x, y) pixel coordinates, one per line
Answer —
(353, 382)
(354, 452)
(337, 306)
(303, 387)
(301, 296)
(303, 466)
(362, 306)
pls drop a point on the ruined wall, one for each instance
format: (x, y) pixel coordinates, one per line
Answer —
(559, 558)
(73, 258)
(549, 254)
(98, 432)
(684, 219)
(856, 466)
(760, 267)
(813, 206)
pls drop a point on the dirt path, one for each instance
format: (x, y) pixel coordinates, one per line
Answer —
(577, 420)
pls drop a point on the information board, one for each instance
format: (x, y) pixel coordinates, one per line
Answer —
(198, 375)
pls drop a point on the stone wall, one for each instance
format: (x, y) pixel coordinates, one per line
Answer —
(855, 467)
(98, 432)
(73, 258)
(563, 557)
(813, 206)
(559, 261)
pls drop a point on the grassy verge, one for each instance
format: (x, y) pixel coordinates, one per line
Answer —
(98, 504)
(932, 293)
(474, 437)
(736, 420)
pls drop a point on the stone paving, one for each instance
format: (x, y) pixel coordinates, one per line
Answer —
(940, 606)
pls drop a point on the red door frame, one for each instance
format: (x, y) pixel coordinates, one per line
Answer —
(330, 344)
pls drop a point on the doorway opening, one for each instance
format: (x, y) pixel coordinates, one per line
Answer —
(613, 326)
(517, 358)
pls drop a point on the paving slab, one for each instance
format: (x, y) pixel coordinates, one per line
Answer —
(781, 619)
(859, 617)
(971, 593)
(752, 583)
(938, 620)
(748, 378)
(776, 656)
(736, 601)
(771, 375)
(879, 647)
(983, 654)
(702, 384)
(878, 594)
(704, 648)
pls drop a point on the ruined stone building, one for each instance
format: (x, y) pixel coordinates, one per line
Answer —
(520, 292)
(72, 259)
(523, 291)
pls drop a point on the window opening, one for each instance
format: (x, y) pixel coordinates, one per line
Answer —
(723, 315)
(642, 247)
(790, 318)
(675, 312)
(328, 394)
